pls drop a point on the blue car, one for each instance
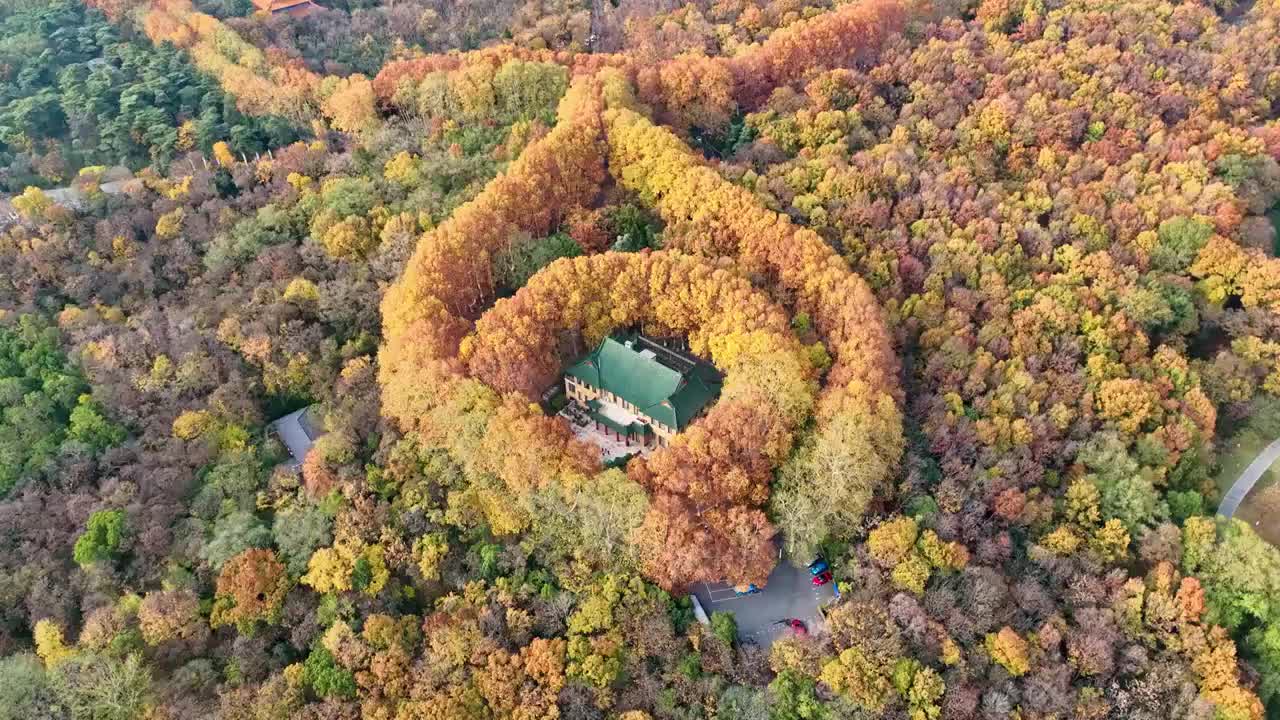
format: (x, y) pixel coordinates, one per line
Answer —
(817, 567)
(749, 589)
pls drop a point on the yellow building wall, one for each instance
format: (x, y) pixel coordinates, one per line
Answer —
(584, 393)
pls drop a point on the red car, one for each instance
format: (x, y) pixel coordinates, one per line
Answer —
(822, 578)
(797, 626)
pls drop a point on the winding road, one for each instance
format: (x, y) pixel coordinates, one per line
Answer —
(69, 196)
(1243, 484)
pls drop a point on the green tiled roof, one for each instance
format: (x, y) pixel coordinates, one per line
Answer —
(664, 394)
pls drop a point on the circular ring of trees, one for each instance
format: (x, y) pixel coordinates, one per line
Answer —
(708, 488)
(445, 376)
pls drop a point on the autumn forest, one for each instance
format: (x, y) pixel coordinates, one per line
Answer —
(990, 288)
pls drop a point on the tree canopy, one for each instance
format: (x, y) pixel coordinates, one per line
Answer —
(990, 287)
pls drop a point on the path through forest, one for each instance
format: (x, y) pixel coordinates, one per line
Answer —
(1231, 501)
(69, 196)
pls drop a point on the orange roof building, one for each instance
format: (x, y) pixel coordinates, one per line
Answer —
(294, 8)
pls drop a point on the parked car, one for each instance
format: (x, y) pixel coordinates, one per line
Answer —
(822, 578)
(748, 589)
(797, 626)
(818, 566)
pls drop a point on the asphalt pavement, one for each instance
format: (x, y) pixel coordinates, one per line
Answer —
(1231, 501)
(296, 435)
(788, 594)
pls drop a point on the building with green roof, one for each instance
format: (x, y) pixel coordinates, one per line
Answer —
(640, 390)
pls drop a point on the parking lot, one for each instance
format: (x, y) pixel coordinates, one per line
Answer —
(789, 594)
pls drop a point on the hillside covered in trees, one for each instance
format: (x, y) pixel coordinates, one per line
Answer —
(991, 286)
(74, 93)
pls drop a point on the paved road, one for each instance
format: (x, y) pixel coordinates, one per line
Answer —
(1231, 501)
(72, 196)
(295, 435)
(789, 594)
(69, 197)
